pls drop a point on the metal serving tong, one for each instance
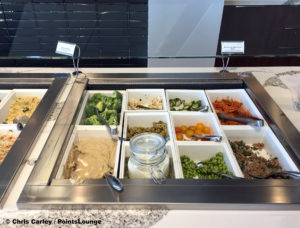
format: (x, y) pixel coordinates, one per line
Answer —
(215, 138)
(294, 174)
(113, 131)
(203, 109)
(20, 121)
(248, 121)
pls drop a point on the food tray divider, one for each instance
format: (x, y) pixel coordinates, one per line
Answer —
(148, 95)
(4, 94)
(81, 114)
(125, 153)
(236, 94)
(266, 136)
(4, 106)
(145, 119)
(187, 95)
(206, 150)
(191, 119)
(81, 133)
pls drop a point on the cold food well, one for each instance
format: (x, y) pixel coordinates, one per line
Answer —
(20, 103)
(215, 158)
(187, 125)
(185, 100)
(235, 103)
(259, 153)
(46, 189)
(90, 154)
(146, 100)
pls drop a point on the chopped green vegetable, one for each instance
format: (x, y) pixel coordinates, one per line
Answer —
(215, 163)
(181, 105)
(109, 108)
(92, 120)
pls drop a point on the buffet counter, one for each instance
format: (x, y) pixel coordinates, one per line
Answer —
(275, 80)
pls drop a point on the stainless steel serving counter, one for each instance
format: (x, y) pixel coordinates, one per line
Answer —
(44, 191)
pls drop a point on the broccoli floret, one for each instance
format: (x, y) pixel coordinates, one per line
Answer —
(93, 120)
(100, 106)
(117, 95)
(117, 105)
(96, 98)
(90, 110)
(109, 102)
(112, 120)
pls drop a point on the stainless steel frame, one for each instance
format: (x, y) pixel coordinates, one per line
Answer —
(44, 192)
(14, 161)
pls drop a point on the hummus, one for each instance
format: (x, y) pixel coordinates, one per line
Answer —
(90, 158)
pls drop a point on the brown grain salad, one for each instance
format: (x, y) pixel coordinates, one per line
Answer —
(251, 163)
(159, 127)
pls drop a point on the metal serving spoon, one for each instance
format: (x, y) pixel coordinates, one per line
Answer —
(113, 131)
(114, 182)
(294, 174)
(146, 107)
(201, 164)
(248, 121)
(215, 138)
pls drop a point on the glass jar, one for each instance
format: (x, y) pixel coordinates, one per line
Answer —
(149, 158)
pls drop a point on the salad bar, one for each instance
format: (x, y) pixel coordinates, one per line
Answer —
(184, 141)
(26, 102)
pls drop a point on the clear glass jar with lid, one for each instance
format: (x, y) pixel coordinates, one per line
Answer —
(149, 158)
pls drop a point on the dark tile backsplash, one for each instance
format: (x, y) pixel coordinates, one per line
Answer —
(102, 28)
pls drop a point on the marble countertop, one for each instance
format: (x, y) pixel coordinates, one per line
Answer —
(279, 83)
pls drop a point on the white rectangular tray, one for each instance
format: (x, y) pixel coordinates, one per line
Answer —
(3, 95)
(174, 162)
(147, 95)
(82, 133)
(271, 144)
(192, 118)
(187, 95)
(206, 151)
(5, 128)
(4, 106)
(236, 94)
(145, 119)
(88, 95)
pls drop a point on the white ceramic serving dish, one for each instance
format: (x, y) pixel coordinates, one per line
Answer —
(272, 147)
(82, 133)
(4, 106)
(174, 162)
(206, 151)
(6, 128)
(147, 95)
(89, 94)
(191, 119)
(187, 95)
(236, 94)
(3, 95)
(145, 119)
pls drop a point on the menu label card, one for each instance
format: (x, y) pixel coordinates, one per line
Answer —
(65, 48)
(232, 47)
